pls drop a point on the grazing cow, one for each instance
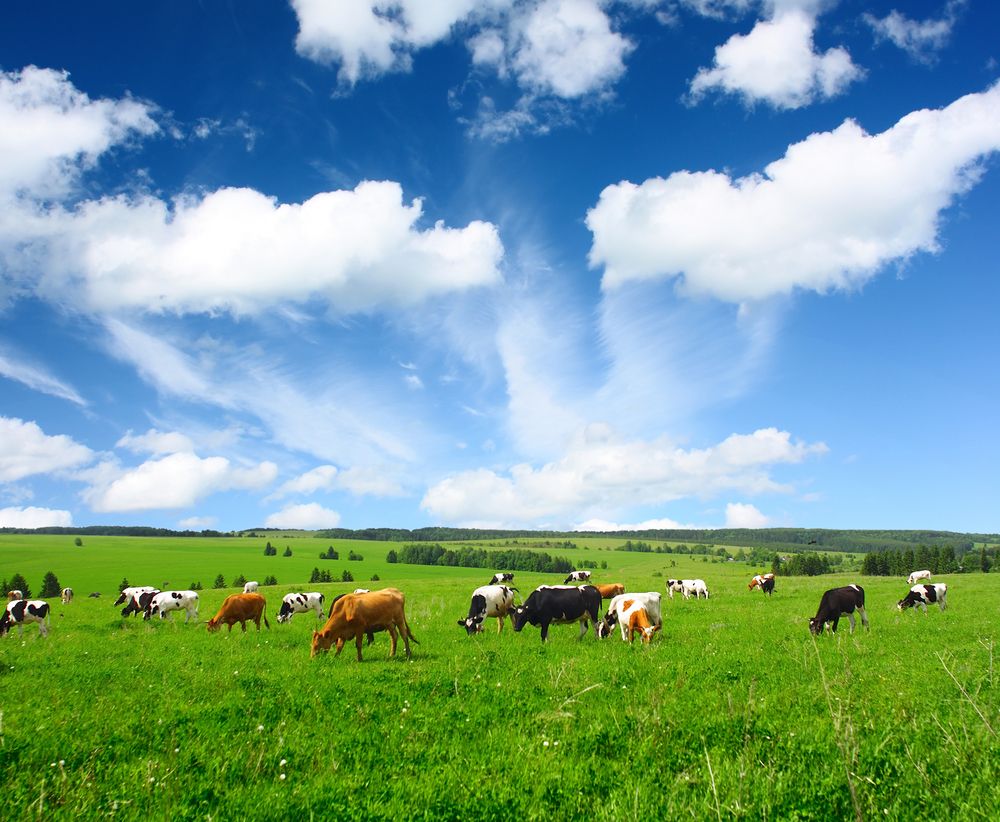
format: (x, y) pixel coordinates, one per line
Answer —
(293, 604)
(921, 595)
(20, 611)
(66, 595)
(94, 595)
(560, 605)
(916, 576)
(241, 608)
(650, 603)
(638, 620)
(506, 576)
(128, 593)
(139, 602)
(251, 587)
(355, 615)
(610, 590)
(362, 591)
(166, 601)
(688, 587)
(488, 601)
(14, 594)
(836, 603)
(577, 576)
(763, 581)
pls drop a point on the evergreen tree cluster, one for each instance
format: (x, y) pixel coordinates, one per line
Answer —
(937, 559)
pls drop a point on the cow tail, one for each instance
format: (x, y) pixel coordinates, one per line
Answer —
(409, 633)
(266, 623)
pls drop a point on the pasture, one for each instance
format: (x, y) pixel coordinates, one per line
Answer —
(734, 711)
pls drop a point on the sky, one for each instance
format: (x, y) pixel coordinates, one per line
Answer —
(561, 264)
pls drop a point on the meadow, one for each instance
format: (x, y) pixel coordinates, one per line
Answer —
(734, 711)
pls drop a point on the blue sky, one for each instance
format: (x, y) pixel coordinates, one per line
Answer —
(556, 264)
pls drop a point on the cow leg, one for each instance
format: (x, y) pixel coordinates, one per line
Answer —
(923, 606)
(500, 623)
(391, 628)
(583, 628)
(850, 618)
(243, 625)
(357, 641)
(405, 631)
(545, 631)
(340, 647)
(835, 623)
(42, 628)
(864, 617)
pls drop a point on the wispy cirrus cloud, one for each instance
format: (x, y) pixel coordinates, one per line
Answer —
(37, 378)
(921, 39)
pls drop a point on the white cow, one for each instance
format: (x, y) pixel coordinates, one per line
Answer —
(488, 601)
(618, 612)
(916, 576)
(250, 587)
(688, 587)
(66, 595)
(293, 604)
(21, 611)
(166, 601)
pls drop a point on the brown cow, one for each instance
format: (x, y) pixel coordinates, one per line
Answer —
(14, 595)
(355, 615)
(241, 608)
(610, 590)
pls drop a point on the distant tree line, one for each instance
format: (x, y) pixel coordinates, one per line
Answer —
(116, 531)
(513, 559)
(938, 559)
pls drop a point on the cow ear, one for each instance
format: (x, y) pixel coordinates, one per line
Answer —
(461, 622)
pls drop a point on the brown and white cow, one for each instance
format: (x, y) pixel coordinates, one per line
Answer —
(353, 616)
(610, 590)
(763, 581)
(638, 620)
(14, 595)
(241, 608)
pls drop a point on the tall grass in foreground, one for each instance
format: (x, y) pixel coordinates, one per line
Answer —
(735, 711)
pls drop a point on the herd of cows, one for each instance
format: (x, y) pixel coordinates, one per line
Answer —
(363, 613)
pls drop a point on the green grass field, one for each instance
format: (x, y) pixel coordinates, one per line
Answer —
(734, 711)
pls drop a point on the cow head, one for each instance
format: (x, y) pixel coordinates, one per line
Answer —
(472, 625)
(815, 625)
(520, 617)
(321, 641)
(213, 625)
(909, 601)
(605, 626)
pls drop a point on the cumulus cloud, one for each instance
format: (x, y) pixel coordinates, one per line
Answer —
(828, 215)
(155, 442)
(921, 39)
(320, 478)
(359, 250)
(310, 516)
(37, 378)
(604, 525)
(50, 132)
(26, 450)
(174, 481)
(601, 471)
(777, 63)
(744, 515)
(32, 517)
(198, 523)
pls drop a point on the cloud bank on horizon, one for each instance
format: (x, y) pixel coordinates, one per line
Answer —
(520, 315)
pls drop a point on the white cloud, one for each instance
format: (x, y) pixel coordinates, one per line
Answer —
(175, 481)
(310, 516)
(320, 478)
(567, 48)
(835, 209)
(25, 450)
(155, 442)
(34, 518)
(370, 481)
(601, 471)
(413, 382)
(647, 525)
(921, 39)
(50, 132)
(777, 63)
(37, 379)
(359, 250)
(744, 515)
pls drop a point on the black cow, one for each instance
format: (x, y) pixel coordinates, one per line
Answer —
(507, 576)
(560, 605)
(139, 603)
(836, 603)
(767, 586)
(25, 610)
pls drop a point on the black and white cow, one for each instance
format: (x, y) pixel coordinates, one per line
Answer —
(166, 601)
(506, 576)
(688, 587)
(128, 593)
(488, 601)
(838, 602)
(21, 611)
(559, 604)
(139, 601)
(293, 604)
(921, 595)
(66, 595)
(577, 576)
